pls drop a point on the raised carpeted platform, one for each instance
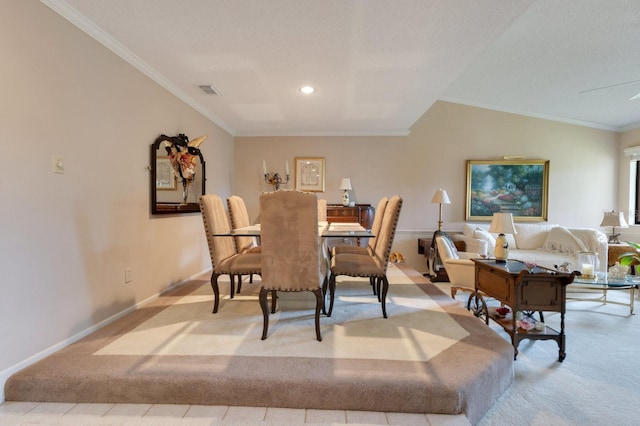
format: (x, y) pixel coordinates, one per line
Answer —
(429, 356)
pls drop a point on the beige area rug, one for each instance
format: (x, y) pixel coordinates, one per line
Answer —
(429, 356)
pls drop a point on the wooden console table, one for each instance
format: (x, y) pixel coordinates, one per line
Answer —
(513, 285)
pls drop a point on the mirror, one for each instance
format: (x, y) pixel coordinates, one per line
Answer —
(177, 174)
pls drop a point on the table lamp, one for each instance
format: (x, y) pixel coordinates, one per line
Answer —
(440, 197)
(346, 186)
(502, 223)
(614, 219)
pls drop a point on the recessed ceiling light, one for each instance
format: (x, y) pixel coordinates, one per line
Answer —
(307, 90)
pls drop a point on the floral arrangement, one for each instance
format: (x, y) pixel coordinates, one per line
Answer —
(184, 164)
(183, 156)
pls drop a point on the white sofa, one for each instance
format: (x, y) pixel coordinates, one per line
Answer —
(544, 244)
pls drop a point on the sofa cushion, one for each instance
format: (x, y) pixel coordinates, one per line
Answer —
(468, 229)
(561, 240)
(484, 235)
(531, 236)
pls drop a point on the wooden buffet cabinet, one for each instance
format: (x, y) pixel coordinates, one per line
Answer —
(523, 291)
(361, 213)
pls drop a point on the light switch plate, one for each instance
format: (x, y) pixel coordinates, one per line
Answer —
(58, 164)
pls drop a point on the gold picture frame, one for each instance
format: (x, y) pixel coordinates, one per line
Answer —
(165, 177)
(520, 187)
(310, 172)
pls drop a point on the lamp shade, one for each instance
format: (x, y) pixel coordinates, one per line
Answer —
(345, 184)
(614, 218)
(502, 223)
(440, 197)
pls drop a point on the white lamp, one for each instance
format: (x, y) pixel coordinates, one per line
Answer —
(346, 186)
(502, 223)
(614, 219)
(440, 197)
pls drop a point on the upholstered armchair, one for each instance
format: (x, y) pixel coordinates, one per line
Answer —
(292, 258)
(459, 267)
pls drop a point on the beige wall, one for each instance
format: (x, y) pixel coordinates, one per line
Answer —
(583, 166)
(65, 240)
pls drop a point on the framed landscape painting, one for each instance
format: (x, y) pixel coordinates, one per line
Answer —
(519, 187)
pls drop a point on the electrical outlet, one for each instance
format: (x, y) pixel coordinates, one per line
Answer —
(127, 275)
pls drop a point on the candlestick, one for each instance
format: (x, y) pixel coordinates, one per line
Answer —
(274, 178)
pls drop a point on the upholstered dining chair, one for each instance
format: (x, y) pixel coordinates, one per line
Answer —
(239, 218)
(460, 269)
(292, 258)
(222, 250)
(374, 266)
(322, 210)
(370, 248)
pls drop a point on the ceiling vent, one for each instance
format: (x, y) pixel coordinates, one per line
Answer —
(208, 89)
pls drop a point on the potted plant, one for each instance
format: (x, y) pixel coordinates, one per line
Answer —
(630, 258)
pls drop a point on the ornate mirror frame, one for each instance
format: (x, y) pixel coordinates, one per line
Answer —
(182, 196)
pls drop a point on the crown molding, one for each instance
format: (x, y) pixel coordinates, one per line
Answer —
(79, 20)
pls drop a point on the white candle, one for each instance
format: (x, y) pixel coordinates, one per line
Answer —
(286, 167)
(587, 269)
(264, 166)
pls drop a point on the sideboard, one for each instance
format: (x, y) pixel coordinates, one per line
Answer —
(361, 213)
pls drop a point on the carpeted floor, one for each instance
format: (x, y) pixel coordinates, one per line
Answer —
(429, 356)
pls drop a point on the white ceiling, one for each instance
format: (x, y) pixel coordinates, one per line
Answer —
(378, 65)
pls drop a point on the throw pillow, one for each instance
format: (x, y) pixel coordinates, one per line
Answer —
(531, 236)
(482, 234)
(561, 240)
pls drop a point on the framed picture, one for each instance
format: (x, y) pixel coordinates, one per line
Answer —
(507, 186)
(165, 178)
(310, 174)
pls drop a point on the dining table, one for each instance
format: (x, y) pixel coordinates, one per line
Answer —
(325, 230)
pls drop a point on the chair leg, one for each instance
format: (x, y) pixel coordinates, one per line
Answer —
(265, 312)
(216, 291)
(454, 290)
(232, 291)
(332, 292)
(239, 284)
(319, 304)
(372, 281)
(385, 289)
(274, 298)
(325, 284)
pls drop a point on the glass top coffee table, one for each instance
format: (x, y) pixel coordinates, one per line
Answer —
(603, 282)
